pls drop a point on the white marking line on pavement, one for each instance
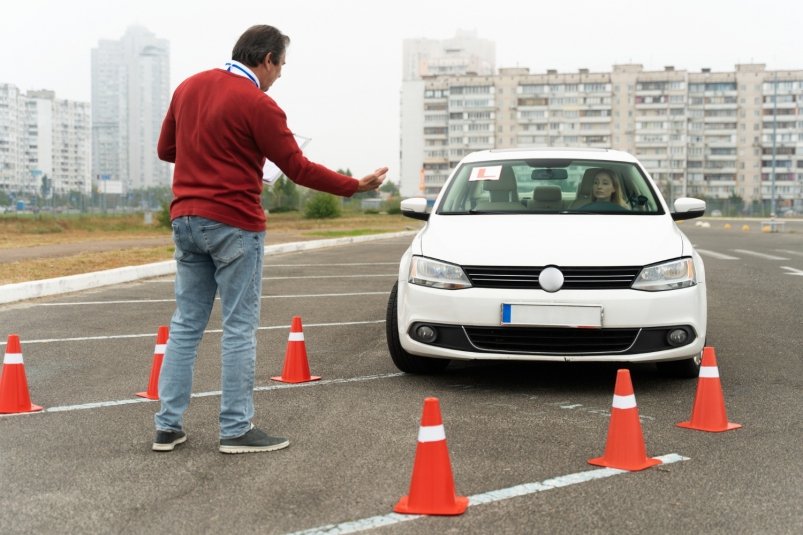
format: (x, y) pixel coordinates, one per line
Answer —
(140, 301)
(209, 331)
(760, 255)
(331, 276)
(482, 499)
(307, 277)
(792, 271)
(714, 254)
(119, 402)
(787, 251)
(327, 265)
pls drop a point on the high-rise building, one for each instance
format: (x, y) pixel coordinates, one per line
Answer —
(41, 135)
(130, 95)
(717, 135)
(424, 59)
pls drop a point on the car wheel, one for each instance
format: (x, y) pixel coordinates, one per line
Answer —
(686, 368)
(401, 358)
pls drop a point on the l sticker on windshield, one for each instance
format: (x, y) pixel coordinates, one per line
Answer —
(485, 173)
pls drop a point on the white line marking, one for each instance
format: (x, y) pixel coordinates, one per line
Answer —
(331, 276)
(310, 277)
(798, 253)
(714, 254)
(792, 271)
(119, 402)
(327, 265)
(761, 255)
(482, 499)
(208, 331)
(140, 301)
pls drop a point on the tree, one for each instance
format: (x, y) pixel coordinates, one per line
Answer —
(390, 187)
(283, 195)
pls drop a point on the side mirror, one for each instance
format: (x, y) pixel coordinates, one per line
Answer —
(416, 208)
(688, 208)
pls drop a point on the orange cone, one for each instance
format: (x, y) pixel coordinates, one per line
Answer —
(158, 356)
(432, 487)
(625, 448)
(296, 367)
(14, 397)
(708, 413)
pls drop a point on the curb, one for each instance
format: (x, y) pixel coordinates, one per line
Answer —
(22, 291)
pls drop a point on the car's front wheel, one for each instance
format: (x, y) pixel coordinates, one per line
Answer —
(401, 358)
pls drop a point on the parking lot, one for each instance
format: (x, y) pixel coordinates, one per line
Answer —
(84, 465)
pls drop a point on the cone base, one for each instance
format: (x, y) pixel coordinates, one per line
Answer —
(630, 467)
(284, 380)
(458, 508)
(728, 427)
(33, 408)
(147, 396)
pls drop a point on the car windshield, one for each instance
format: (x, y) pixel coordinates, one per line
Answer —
(549, 186)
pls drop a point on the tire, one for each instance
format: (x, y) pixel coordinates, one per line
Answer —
(685, 369)
(403, 360)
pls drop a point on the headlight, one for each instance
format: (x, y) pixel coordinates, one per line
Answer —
(667, 276)
(435, 274)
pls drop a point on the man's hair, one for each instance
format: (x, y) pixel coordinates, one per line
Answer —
(257, 41)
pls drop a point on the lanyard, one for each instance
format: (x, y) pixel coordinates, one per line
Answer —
(244, 72)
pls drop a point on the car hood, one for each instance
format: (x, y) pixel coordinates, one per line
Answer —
(561, 239)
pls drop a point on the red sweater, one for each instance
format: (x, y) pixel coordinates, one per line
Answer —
(218, 131)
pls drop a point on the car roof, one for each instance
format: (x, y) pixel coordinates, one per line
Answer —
(581, 153)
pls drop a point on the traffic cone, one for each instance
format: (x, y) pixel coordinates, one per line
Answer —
(156, 367)
(432, 487)
(14, 396)
(296, 367)
(708, 413)
(624, 448)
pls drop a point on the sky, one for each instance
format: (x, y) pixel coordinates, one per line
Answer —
(342, 80)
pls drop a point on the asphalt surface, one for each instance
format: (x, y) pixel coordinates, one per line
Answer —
(85, 464)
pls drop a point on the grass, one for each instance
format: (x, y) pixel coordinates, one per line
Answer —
(18, 232)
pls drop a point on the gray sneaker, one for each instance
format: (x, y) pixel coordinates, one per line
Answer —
(253, 441)
(168, 440)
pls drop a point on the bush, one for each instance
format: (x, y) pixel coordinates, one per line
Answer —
(322, 206)
(393, 205)
(164, 215)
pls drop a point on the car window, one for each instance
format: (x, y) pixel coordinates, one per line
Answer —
(549, 186)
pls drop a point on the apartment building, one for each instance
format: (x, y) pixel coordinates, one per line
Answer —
(707, 134)
(130, 95)
(42, 135)
(423, 62)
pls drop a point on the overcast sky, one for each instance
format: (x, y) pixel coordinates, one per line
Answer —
(342, 79)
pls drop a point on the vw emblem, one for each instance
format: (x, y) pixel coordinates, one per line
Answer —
(550, 279)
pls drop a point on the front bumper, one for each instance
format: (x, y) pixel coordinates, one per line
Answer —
(634, 326)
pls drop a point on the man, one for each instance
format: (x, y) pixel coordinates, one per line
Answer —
(218, 130)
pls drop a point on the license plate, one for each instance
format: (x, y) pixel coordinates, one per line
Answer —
(581, 316)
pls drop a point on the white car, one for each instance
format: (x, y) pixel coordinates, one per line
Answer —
(549, 255)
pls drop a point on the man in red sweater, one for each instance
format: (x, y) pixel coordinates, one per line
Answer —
(219, 128)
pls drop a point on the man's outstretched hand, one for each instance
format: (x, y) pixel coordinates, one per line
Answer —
(372, 181)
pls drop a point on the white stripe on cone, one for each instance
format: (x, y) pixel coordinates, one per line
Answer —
(624, 402)
(13, 358)
(160, 349)
(709, 371)
(296, 337)
(431, 433)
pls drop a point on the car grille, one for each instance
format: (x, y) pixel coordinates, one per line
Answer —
(574, 278)
(551, 339)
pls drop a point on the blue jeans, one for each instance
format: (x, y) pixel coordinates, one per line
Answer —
(212, 257)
